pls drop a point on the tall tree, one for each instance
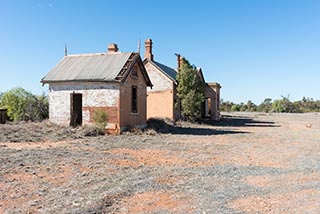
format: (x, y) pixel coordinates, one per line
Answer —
(190, 91)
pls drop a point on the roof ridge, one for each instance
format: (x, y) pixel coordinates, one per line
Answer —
(163, 64)
(86, 54)
(97, 54)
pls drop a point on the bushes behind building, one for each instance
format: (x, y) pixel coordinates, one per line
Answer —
(22, 105)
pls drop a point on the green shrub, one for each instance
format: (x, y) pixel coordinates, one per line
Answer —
(235, 107)
(37, 108)
(100, 118)
(23, 105)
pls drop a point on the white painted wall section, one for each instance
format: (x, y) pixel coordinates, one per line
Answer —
(159, 80)
(93, 95)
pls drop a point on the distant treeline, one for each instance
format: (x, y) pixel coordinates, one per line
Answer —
(283, 105)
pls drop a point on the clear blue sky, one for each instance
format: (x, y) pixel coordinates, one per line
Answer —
(253, 48)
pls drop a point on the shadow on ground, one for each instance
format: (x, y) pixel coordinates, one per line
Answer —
(167, 127)
(238, 121)
(161, 126)
(197, 131)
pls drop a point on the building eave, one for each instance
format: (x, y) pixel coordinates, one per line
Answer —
(137, 59)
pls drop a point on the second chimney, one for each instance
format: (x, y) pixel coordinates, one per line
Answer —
(113, 48)
(148, 54)
(179, 60)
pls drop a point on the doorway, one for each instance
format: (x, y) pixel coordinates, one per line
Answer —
(206, 108)
(75, 109)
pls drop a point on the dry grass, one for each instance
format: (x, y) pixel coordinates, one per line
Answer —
(247, 163)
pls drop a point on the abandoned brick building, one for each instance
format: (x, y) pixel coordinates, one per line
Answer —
(162, 97)
(115, 82)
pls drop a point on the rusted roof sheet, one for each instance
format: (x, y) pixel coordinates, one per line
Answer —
(89, 67)
(170, 72)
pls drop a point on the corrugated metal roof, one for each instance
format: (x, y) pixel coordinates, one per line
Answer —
(101, 67)
(167, 70)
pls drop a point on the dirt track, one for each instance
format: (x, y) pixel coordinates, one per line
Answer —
(247, 163)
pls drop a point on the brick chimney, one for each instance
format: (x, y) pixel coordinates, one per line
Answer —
(112, 48)
(179, 60)
(148, 53)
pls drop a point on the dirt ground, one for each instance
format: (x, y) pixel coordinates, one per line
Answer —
(246, 163)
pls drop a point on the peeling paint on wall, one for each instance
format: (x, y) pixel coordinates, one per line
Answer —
(94, 95)
(160, 81)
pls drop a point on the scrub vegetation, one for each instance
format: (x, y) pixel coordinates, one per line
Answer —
(245, 163)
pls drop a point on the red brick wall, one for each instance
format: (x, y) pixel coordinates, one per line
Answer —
(112, 112)
(127, 118)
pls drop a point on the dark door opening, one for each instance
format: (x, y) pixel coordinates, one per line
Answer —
(3, 115)
(76, 110)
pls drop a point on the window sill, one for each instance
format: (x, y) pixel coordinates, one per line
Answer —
(134, 114)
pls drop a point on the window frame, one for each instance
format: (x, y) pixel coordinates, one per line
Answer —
(134, 99)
